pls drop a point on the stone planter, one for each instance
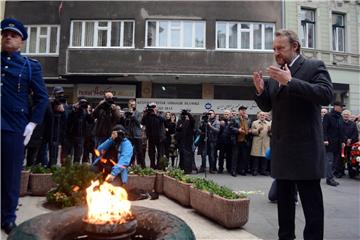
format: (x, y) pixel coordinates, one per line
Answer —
(24, 182)
(41, 183)
(230, 213)
(159, 182)
(177, 190)
(146, 183)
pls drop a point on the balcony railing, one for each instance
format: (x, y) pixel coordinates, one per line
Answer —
(335, 59)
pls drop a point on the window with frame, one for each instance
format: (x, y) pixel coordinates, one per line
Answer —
(307, 31)
(338, 32)
(244, 36)
(102, 34)
(42, 40)
(180, 34)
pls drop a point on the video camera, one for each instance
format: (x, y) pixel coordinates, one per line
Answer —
(127, 113)
(205, 117)
(150, 108)
(185, 112)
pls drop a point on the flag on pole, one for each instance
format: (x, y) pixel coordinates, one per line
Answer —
(61, 6)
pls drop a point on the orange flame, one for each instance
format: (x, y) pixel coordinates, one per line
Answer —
(107, 204)
(97, 153)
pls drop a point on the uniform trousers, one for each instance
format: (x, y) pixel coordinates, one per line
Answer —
(313, 207)
(12, 157)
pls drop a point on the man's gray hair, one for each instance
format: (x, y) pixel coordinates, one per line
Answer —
(291, 35)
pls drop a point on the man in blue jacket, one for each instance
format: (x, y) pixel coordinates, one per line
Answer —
(118, 148)
(19, 76)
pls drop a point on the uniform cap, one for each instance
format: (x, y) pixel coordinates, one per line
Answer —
(12, 24)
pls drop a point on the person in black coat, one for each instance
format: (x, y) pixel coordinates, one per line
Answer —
(295, 93)
(333, 126)
(185, 139)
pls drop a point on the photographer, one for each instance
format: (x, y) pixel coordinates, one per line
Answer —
(76, 127)
(60, 113)
(107, 115)
(132, 124)
(185, 139)
(238, 131)
(116, 153)
(209, 130)
(155, 132)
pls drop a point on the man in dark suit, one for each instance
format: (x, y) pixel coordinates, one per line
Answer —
(19, 76)
(294, 93)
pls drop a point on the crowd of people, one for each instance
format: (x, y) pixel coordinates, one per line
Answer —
(229, 140)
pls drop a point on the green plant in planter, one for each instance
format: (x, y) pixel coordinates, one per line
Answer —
(163, 163)
(41, 169)
(214, 188)
(136, 169)
(72, 182)
(176, 173)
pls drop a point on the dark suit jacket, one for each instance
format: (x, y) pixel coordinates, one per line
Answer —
(297, 146)
(333, 125)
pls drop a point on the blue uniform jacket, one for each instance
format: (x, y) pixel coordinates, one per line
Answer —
(125, 152)
(19, 76)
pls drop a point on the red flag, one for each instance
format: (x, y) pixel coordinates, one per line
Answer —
(61, 6)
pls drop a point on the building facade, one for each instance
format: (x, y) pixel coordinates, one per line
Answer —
(200, 54)
(330, 31)
(159, 50)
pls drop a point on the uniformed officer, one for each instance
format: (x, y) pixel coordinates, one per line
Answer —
(19, 76)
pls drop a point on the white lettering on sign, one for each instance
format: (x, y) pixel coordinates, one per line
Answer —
(98, 91)
(197, 106)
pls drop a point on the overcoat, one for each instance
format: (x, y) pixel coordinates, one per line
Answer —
(261, 139)
(297, 146)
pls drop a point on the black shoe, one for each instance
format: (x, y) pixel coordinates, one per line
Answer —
(242, 172)
(233, 174)
(212, 172)
(254, 173)
(332, 182)
(339, 175)
(220, 171)
(8, 227)
(264, 173)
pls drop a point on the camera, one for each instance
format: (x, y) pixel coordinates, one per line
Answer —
(205, 117)
(150, 108)
(127, 113)
(184, 112)
(83, 103)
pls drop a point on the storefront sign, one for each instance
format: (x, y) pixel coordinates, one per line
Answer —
(197, 106)
(97, 91)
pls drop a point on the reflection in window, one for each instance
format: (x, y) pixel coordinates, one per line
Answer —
(233, 35)
(252, 36)
(307, 31)
(175, 34)
(89, 34)
(257, 36)
(338, 29)
(221, 35)
(42, 40)
(115, 33)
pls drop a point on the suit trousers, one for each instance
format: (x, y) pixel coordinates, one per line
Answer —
(138, 152)
(12, 158)
(153, 143)
(313, 207)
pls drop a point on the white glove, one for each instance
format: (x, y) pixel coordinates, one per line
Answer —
(28, 132)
